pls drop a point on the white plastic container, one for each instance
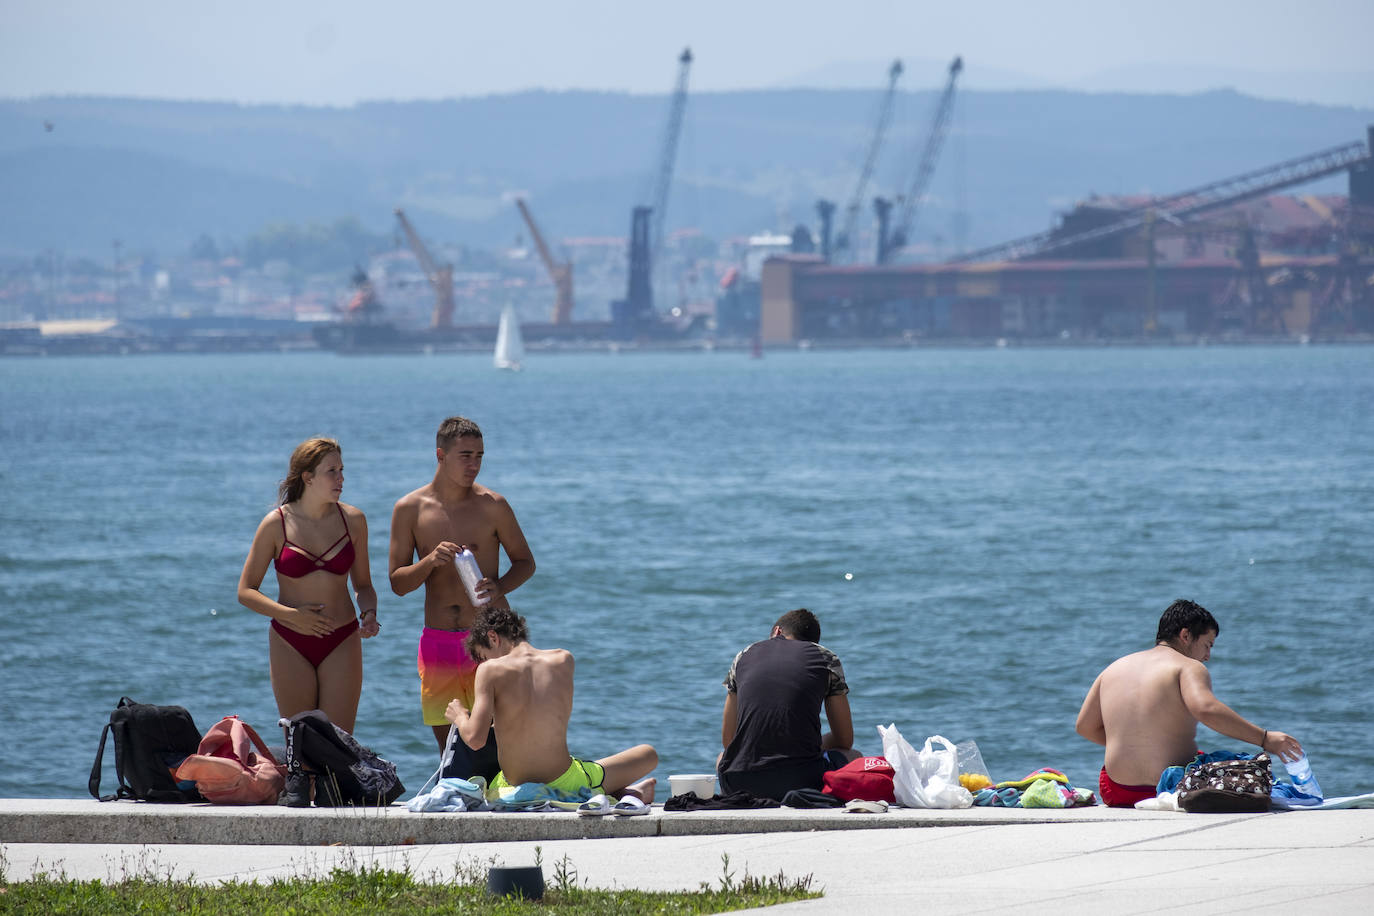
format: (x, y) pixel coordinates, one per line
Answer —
(471, 575)
(702, 785)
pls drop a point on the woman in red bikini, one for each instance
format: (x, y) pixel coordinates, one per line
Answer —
(317, 544)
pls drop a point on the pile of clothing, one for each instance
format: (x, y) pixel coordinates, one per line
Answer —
(1042, 788)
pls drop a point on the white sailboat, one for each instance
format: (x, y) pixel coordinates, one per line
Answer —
(510, 347)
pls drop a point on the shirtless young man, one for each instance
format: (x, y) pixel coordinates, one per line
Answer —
(434, 523)
(527, 694)
(1145, 708)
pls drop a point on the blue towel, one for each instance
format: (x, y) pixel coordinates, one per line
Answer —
(538, 796)
(1006, 797)
(1287, 795)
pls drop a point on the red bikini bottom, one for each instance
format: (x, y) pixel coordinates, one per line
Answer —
(316, 649)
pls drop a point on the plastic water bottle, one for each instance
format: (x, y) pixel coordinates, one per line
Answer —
(471, 575)
(1300, 771)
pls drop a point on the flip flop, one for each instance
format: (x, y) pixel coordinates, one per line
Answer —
(629, 806)
(596, 806)
(860, 806)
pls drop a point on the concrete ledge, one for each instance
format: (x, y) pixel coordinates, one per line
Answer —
(91, 821)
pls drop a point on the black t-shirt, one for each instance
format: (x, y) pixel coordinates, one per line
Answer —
(781, 685)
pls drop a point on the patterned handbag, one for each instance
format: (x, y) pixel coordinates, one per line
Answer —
(1227, 786)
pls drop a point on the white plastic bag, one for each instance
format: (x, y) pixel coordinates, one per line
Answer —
(928, 779)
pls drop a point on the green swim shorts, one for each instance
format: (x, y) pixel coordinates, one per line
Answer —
(580, 774)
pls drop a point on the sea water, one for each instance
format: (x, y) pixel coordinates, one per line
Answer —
(979, 531)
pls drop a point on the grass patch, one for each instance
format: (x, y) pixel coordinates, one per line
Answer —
(373, 888)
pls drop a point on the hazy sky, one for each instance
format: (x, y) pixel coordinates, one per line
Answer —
(344, 51)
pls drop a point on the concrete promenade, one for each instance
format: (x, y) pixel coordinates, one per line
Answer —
(964, 861)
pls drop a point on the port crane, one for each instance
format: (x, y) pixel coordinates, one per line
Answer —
(647, 220)
(560, 272)
(668, 152)
(440, 277)
(844, 241)
(930, 155)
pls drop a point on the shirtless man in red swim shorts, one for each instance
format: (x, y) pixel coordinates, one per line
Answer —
(434, 523)
(1145, 708)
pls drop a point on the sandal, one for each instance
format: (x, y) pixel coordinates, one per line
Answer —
(596, 806)
(630, 806)
(862, 806)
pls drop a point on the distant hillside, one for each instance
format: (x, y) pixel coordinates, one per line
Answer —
(81, 198)
(158, 174)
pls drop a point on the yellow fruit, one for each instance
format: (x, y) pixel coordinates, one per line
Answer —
(974, 781)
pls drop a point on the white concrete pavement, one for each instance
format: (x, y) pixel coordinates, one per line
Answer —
(975, 861)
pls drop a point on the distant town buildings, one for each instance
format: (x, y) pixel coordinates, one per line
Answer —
(1275, 266)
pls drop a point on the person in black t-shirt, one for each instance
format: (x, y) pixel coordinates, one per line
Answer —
(771, 728)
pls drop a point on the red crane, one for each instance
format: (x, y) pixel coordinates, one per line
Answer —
(560, 272)
(440, 277)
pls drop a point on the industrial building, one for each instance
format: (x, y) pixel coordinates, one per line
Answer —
(1230, 257)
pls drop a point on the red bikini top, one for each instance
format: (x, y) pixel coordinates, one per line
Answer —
(295, 561)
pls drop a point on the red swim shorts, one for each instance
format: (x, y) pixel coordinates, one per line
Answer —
(1115, 795)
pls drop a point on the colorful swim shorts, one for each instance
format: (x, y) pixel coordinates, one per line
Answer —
(447, 672)
(581, 774)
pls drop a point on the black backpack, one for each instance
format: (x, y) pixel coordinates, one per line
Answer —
(346, 773)
(150, 742)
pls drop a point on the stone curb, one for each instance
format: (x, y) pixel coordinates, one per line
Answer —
(128, 822)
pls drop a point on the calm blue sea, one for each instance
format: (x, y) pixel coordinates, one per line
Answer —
(979, 531)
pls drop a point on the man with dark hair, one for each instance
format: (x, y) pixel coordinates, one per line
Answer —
(1145, 708)
(771, 725)
(800, 624)
(434, 523)
(1185, 615)
(527, 695)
